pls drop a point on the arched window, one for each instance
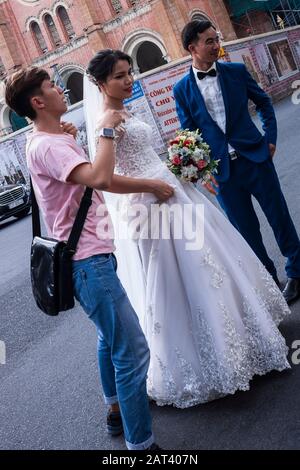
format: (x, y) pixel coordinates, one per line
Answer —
(116, 4)
(38, 37)
(200, 17)
(149, 56)
(75, 85)
(52, 31)
(65, 22)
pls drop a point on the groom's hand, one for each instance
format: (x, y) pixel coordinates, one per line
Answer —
(211, 186)
(272, 149)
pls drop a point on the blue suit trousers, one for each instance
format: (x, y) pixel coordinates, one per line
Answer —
(247, 179)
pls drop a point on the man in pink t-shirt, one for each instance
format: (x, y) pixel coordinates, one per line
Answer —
(51, 158)
(60, 172)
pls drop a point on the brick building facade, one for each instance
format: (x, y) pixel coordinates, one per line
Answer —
(62, 35)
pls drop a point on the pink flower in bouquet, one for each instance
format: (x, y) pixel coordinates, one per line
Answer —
(201, 164)
(175, 141)
(176, 160)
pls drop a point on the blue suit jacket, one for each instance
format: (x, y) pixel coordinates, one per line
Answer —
(237, 88)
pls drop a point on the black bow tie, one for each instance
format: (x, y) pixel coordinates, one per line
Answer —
(211, 73)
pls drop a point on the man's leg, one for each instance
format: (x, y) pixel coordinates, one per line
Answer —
(266, 189)
(268, 192)
(107, 372)
(238, 206)
(104, 300)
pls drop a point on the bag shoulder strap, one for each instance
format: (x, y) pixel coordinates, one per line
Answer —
(36, 223)
(74, 236)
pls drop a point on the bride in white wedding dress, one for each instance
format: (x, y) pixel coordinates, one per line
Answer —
(210, 314)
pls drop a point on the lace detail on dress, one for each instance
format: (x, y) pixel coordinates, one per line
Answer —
(169, 386)
(135, 155)
(269, 348)
(236, 372)
(247, 351)
(156, 328)
(271, 297)
(218, 272)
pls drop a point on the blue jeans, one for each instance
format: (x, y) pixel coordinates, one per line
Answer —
(123, 352)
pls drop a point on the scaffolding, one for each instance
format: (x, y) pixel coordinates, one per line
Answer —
(283, 13)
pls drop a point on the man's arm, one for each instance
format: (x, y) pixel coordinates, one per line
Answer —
(99, 174)
(183, 113)
(264, 108)
(127, 185)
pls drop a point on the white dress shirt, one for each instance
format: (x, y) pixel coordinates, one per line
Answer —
(210, 89)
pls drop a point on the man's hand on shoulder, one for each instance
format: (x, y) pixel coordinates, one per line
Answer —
(272, 149)
(69, 128)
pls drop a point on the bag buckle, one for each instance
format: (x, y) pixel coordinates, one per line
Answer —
(69, 251)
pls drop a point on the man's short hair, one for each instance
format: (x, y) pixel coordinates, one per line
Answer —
(192, 29)
(21, 86)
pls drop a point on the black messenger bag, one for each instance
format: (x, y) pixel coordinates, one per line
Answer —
(51, 261)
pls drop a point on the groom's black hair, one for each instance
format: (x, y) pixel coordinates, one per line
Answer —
(102, 64)
(192, 29)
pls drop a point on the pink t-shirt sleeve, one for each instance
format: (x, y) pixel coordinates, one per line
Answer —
(61, 160)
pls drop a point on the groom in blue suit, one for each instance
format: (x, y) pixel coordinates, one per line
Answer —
(213, 98)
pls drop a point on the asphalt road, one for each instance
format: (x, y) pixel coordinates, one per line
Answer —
(49, 392)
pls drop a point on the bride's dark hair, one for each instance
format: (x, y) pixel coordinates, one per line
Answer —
(102, 64)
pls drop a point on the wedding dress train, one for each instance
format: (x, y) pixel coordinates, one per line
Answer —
(210, 314)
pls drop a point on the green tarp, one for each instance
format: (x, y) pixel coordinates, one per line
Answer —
(240, 7)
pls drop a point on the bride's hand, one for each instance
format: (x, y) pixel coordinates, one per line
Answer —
(162, 190)
(69, 128)
(110, 118)
(120, 130)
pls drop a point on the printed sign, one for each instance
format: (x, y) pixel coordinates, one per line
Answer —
(159, 91)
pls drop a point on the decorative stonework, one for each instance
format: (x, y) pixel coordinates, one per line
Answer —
(26, 2)
(128, 16)
(2, 88)
(61, 51)
(68, 68)
(196, 12)
(43, 12)
(60, 3)
(116, 4)
(28, 22)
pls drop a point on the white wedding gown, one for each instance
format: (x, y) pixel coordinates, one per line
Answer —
(210, 315)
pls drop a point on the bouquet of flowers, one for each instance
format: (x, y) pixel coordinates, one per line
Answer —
(189, 158)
